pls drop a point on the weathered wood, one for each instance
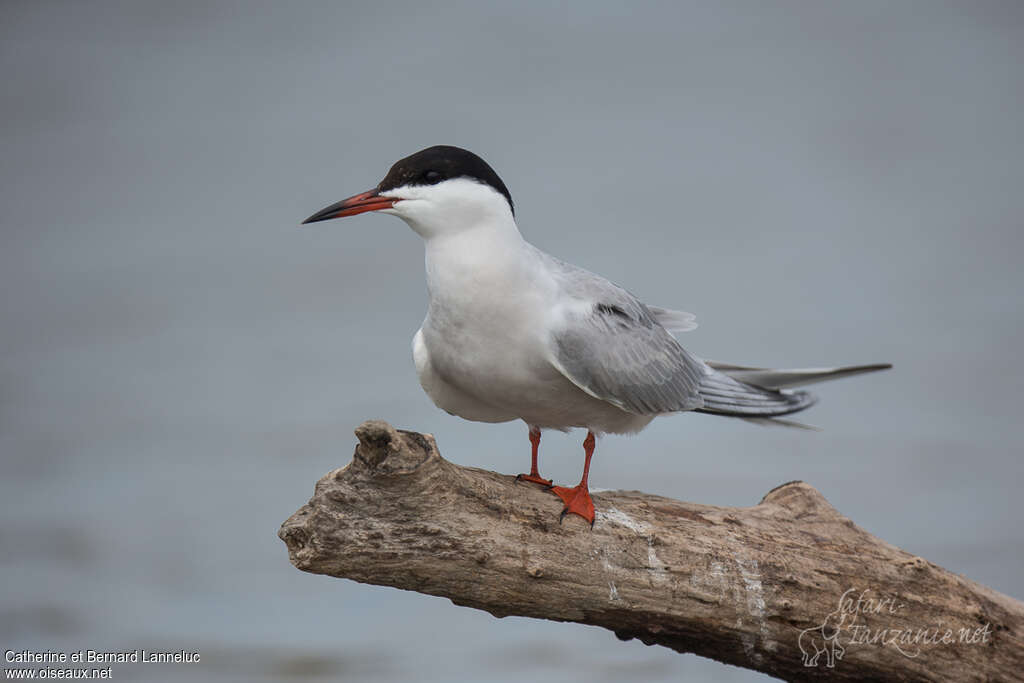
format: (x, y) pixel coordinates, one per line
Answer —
(787, 587)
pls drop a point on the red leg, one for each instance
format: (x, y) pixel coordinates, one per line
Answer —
(534, 475)
(577, 499)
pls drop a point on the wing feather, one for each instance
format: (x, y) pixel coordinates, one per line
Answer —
(674, 321)
(612, 346)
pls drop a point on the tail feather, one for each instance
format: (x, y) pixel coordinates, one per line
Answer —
(780, 422)
(782, 379)
(724, 395)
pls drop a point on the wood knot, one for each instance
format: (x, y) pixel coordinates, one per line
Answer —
(295, 537)
(916, 563)
(384, 450)
(377, 441)
(799, 498)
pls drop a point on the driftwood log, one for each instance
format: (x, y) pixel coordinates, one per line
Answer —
(788, 587)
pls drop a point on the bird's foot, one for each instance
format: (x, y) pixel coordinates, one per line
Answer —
(535, 478)
(577, 502)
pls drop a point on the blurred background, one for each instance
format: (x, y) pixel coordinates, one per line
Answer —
(821, 183)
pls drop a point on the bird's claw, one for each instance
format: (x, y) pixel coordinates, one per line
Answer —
(534, 479)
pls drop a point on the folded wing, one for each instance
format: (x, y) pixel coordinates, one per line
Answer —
(609, 344)
(617, 352)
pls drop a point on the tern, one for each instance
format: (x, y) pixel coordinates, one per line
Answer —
(512, 333)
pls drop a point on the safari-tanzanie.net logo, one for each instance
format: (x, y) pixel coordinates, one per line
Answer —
(860, 619)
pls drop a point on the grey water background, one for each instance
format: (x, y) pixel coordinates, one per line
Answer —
(821, 183)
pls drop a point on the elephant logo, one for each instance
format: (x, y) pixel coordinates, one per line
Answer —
(823, 639)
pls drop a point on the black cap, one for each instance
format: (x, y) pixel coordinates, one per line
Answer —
(439, 163)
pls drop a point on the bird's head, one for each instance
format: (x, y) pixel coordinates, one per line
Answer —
(437, 191)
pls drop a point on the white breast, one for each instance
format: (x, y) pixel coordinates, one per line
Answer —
(482, 352)
(485, 327)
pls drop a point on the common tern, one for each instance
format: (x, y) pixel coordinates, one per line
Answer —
(512, 333)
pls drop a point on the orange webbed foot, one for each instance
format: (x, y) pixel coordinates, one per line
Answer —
(577, 502)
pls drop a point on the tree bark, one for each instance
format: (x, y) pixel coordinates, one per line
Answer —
(788, 587)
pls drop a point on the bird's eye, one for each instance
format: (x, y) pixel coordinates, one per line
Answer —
(432, 177)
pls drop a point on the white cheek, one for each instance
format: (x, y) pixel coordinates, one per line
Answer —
(410, 209)
(450, 207)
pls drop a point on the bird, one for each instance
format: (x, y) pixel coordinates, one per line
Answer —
(513, 333)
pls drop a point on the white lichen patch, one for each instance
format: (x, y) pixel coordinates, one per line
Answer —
(752, 581)
(714, 582)
(659, 572)
(616, 516)
(753, 591)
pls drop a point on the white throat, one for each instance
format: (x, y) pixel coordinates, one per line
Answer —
(454, 207)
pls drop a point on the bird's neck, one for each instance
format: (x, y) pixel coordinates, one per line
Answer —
(483, 257)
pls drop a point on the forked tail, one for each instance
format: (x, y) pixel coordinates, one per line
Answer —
(741, 391)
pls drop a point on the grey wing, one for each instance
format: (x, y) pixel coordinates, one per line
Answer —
(630, 362)
(674, 321)
(610, 345)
